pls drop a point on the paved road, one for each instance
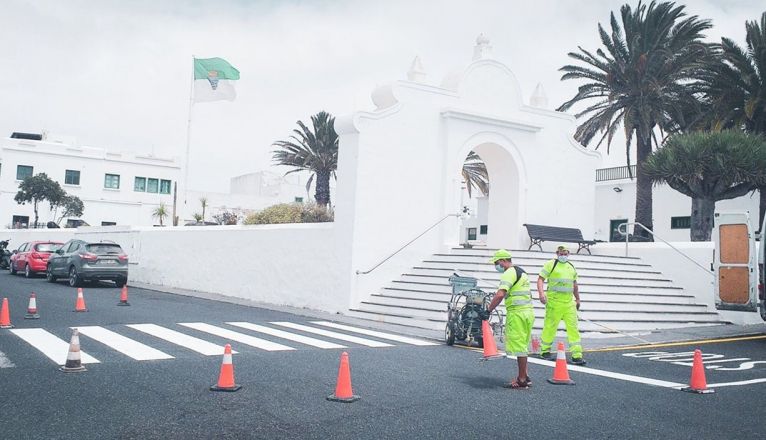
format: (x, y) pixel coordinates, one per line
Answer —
(408, 391)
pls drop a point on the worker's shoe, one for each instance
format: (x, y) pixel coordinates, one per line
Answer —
(546, 355)
(578, 361)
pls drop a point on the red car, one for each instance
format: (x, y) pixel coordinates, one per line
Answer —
(32, 257)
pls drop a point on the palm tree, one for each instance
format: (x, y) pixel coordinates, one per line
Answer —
(735, 87)
(708, 167)
(203, 202)
(639, 81)
(316, 152)
(161, 212)
(475, 174)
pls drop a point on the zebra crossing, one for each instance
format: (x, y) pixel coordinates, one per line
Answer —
(207, 339)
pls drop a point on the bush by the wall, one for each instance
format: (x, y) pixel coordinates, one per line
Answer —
(290, 213)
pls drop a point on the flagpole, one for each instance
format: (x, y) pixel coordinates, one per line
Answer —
(188, 134)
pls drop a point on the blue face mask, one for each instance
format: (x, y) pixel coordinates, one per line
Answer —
(499, 268)
(563, 258)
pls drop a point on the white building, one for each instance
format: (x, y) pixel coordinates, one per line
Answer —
(115, 187)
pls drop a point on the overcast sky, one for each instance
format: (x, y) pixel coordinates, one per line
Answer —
(116, 74)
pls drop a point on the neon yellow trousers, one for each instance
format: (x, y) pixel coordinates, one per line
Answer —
(518, 330)
(555, 311)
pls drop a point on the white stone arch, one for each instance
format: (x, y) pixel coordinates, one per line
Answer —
(508, 183)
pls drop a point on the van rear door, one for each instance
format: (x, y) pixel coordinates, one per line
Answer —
(736, 274)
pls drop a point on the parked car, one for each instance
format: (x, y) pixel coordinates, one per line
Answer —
(32, 257)
(80, 261)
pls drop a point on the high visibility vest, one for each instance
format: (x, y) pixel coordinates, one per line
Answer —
(560, 277)
(517, 295)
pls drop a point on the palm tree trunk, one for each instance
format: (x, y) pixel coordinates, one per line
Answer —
(35, 206)
(761, 207)
(322, 193)
(643, 188)
(702, 219)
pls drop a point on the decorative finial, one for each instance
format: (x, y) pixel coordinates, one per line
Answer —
(482, 49)
(539, 99)
(416, 72)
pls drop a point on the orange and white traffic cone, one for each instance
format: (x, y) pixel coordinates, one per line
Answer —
(73, 363)
(490, 348)
(697, 383)
(80, 304)
(343, 391)
(560, 372)
(32, 309)
(5, 315)
(226, 377)
(124, 296)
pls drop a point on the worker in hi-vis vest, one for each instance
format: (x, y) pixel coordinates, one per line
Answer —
(562, 301)
(519, 314)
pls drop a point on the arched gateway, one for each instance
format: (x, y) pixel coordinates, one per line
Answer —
(399, 167)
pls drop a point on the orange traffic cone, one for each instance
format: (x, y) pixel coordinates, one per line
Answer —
(698, 384)
(5, 315)
(560, 373)
(490, 348)
(124, 296)
(73, 364)
(226, 377)
(80, 305)
(343, 392)
(32, 309)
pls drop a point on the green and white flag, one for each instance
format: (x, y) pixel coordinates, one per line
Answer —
(214, 80)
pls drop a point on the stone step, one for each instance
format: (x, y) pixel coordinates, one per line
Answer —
(492, 279)
(534, 262)
(617, 298)
(537, 255)
(489, 271)
(584, 288)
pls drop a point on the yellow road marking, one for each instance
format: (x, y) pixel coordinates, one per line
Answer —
(676, 344)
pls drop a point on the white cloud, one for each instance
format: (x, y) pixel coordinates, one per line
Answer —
(116, 74)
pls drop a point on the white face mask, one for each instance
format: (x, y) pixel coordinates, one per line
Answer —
(563, 258)
(499, 268)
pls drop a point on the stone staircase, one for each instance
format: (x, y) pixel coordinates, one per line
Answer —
(617, 293)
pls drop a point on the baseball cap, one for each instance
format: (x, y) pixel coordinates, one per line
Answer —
(500, 254)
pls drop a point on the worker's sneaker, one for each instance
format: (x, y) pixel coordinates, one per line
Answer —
(578, 361)
(546, 355)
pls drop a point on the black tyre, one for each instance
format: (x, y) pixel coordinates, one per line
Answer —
(74, 277)
(480, 342)
(49, 275)
(449, 334)
(11, 269)
(121, 282)
(28, 272)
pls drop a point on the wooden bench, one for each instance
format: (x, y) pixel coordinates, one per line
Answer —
(541, 233)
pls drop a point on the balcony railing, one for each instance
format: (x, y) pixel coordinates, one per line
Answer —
(615, 173)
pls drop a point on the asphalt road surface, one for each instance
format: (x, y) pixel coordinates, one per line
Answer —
(407, 390)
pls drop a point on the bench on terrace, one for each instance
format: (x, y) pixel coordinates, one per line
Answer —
(541, 233)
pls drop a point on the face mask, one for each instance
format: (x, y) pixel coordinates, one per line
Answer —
(499, 268)
(563, 258)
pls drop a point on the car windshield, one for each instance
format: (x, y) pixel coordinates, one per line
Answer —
(47, 247)
(104, 248)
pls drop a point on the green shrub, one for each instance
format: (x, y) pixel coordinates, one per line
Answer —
(290, 213)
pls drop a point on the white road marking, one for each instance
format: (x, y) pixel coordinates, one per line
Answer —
(5, 362)
(743, 382)
(377, 334)
(334, 335)
(236, 336)
(287, 335)
(124, 345)
(56, 349)
(195, 344)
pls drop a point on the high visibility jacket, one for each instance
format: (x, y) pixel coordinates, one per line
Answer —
(517, 294)
(560, 277)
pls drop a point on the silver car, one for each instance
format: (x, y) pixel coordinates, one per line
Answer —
(80, 261)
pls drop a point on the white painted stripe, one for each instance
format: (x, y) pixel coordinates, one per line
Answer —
(124, 345)
(374, 333)
(195, 344)
(287, 335)
(743, 382)
(5, 362)
(329, 334)
(56, 349)
(236, 336)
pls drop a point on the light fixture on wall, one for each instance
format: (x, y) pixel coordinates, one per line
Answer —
(617, 189)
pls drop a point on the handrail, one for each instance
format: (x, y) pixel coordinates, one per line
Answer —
(622, 228)
(358, 272)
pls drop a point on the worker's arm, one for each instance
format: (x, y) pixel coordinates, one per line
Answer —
(541, 290)
(496, 300)
(577, 295)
